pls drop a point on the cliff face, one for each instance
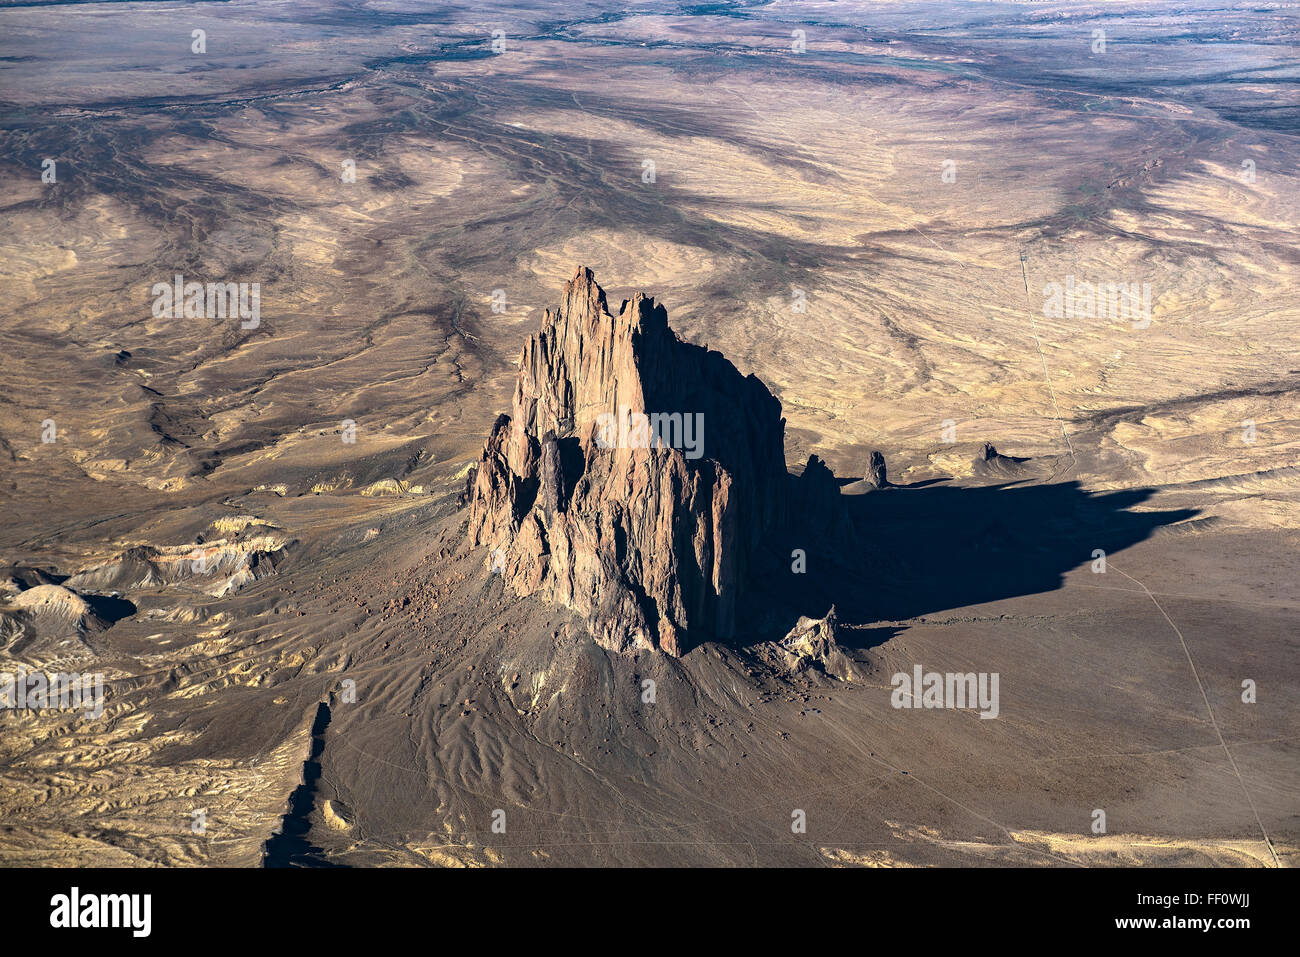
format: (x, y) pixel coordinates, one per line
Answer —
(633, 479)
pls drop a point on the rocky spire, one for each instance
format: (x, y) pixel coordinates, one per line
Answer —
(876, 476)
(634, 477)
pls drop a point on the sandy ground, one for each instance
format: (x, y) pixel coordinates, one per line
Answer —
(799, 220)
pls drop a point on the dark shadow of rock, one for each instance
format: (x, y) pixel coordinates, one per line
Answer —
(929, 548)
(110, 608)
(292, 846)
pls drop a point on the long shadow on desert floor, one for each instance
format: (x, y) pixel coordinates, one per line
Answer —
(927, 549)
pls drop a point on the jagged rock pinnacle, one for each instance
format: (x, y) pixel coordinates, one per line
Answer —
(876, 476)
(634, 477)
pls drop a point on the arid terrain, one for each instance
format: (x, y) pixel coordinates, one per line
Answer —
(896, 216)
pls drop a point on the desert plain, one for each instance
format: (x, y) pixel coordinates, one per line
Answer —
(250, 526)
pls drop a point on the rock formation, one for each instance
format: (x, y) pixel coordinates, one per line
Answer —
(811, 644)
(50, 610)
(635, 476)
(876, 476)
(990, 463)
(219, 567)
(818, 492)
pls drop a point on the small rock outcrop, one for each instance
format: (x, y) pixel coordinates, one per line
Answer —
(338, 815)
(219, 567)
(634, 478)
(811, 644)
(55, 610)
(991, 463)
(876, 476)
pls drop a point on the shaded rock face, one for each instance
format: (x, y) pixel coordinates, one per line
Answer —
(817, 494)
(876, 476)
(634, 478)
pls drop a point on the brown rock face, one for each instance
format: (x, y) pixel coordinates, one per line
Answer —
(634, 477)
